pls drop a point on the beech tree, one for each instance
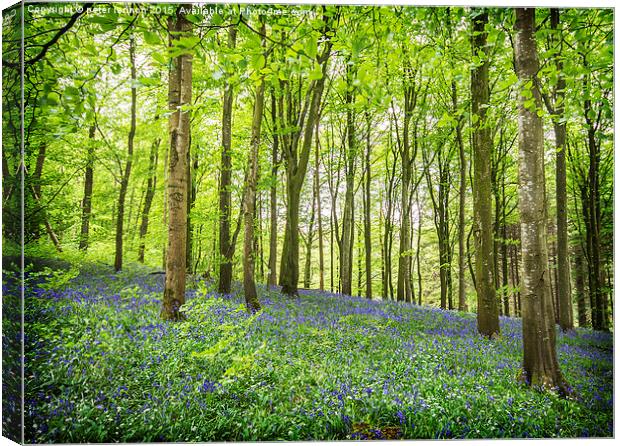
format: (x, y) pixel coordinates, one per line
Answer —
(179, 98)
(540, 363)
(488, 318)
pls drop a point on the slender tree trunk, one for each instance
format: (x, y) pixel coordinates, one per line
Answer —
(318, 210)
(226, 247)
(462, 192)
(151, 184)
(346, 259)
(405, 230)
(179, 98)
(367, 231)
(582, 315)
(273, 201)
(88, 189)
(504, 250)
(540, 364)
(309, 240)
(249, 201)
(120, 216)
(417, 251)
(559, 128)
(192, 166)
(488, 318)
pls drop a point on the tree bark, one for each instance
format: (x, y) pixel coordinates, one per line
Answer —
(226, 247)
(88, 190)
(179, 96)
(488, 318)
(120, 216)
(296, 167)
(462, 191)
(580, 293)
(346, 244)
(318, 210)
(151, 184)
(249, 201)
(367, 231)
(540, 364)
(273, 201)
(309, 240)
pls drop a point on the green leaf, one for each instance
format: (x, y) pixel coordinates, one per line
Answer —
(311, 48)
(151, 38)
(158, 57)
(316, 73)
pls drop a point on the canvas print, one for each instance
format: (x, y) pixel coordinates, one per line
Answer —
(306, 222)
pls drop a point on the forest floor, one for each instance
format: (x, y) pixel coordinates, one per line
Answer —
(102, 367)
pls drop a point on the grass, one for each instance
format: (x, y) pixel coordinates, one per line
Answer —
(102, 367)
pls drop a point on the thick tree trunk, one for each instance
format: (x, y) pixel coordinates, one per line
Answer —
(226, 246)
(488, 318)
(120, 216)
(88, 189)
(151, 184)
(249, 202)
(540, 364)
(179, 98)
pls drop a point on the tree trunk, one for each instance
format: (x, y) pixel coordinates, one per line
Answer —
(582, 314)
(249, 201)
(462, 192)
(540, 364)
(296, 171)
(559, 129)
(504, 249)
(309, 240)
(179, 98)
(367, 231)
(318, 210)
(273, 202)
(417, 250)
(226, 247)
(488, 318)
(151, 185)
(88, 189)
(120, 216)
(404, 257)
(346, 244)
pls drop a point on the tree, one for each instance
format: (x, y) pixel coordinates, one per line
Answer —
(488, 318)
(151, 184)
(226, 245)
(249, 199)
(179, 98)
(540, 364)
(273, 202)
(88, 189)
(555, 107)
(296, 163)
(120, 216)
